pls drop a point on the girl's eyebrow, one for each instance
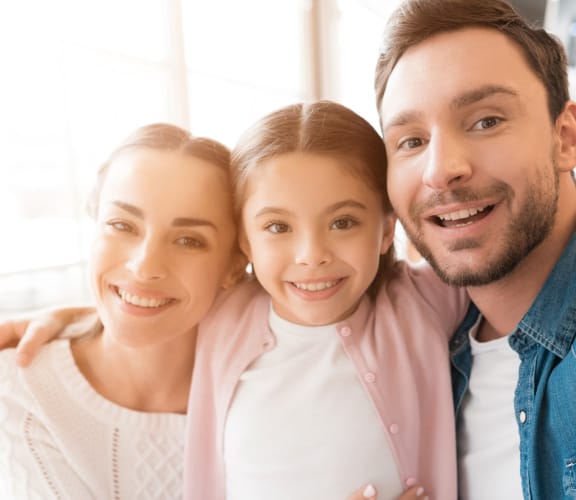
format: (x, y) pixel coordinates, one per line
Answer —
(177, 222)
(330, 208)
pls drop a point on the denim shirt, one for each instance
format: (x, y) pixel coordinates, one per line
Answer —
(545, 396)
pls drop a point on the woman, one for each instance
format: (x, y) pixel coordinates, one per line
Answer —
(103, 416)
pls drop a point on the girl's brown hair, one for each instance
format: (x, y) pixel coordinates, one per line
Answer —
(324, 128)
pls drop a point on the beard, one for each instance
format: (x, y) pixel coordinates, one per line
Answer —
(525, 231)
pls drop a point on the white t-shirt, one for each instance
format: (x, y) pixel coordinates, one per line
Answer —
(488, 439)
(301, 426)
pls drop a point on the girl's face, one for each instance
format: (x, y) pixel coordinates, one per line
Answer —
(314, 233)
(163, 245)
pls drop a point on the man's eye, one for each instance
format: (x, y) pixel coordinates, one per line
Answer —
(344, 223)
(410, 143)
(277, 227)
(486, 123)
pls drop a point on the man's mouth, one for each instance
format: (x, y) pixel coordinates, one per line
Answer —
(463, 217)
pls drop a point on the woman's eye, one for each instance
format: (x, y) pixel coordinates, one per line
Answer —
(191, 242)
(120, 226)
(345, 223)
(486, 123)
(277, 227)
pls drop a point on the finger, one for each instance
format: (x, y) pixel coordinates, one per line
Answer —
(38, 333)
(11, 332)
(414, 493)
(367, 492)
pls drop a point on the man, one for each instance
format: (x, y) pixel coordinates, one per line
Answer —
(481, 141)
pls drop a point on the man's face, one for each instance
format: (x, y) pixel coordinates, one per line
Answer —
(471, 149)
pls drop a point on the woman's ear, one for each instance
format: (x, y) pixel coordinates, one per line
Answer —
(388, 233)
(566, 136)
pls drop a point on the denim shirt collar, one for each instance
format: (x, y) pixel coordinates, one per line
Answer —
(551, 318)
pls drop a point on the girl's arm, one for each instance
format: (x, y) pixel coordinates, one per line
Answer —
(29, 333)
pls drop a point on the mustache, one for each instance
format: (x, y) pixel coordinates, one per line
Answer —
(459, 195)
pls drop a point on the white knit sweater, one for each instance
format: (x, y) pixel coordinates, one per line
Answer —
(59, 439)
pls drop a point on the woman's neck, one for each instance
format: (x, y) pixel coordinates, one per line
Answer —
(150, 379)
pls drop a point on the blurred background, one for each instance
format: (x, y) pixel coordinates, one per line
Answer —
(79, 75)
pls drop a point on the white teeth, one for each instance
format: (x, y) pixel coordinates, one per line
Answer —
(461, 214)
(141, 301)
(315, 287)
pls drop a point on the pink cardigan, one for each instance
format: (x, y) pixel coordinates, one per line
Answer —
(399, 346)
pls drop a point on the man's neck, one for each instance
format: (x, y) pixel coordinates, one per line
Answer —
(504, 302)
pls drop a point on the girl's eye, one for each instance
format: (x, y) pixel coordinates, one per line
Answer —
(410, 143)
(486, 123)
(191, 242)
(344, 223)
(120, 226)
(277, 227)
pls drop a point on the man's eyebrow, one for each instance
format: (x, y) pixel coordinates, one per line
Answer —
(460, 101)
(402, 118)
(473, 96)
(177, 222)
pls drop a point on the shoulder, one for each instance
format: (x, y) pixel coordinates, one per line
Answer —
(416, 290)
(9, 370)
(238, 304)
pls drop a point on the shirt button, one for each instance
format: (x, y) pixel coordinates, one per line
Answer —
(345, 331)
(411, 481)
(394, 429)
(369, 377)
(522, 416)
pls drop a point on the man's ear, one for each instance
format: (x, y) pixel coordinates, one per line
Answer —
(388, 233)
(566, 136)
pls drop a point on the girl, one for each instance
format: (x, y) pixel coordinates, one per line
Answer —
(331, 368)
(103, 416)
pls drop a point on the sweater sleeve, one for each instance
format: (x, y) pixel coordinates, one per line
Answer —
(31, 465)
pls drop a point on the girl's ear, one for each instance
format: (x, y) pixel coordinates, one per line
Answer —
(236, 271)
(388, 233)
(244, 245)
(566, 134)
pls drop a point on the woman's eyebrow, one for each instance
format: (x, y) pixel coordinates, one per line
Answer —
(176, 222)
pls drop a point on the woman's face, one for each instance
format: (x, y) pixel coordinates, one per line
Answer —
(163, 244)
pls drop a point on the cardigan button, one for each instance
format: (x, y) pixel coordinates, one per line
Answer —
(345, 331)
(411, 481)
(369, 377)
(394, 429)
